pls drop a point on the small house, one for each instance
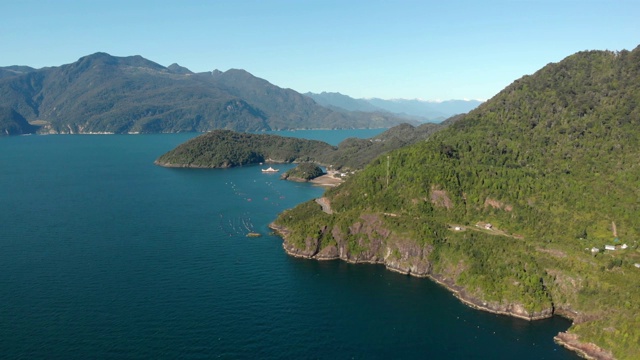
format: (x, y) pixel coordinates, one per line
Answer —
(488, 226)
(637, 265)
(609, 247)
(595, 250)
(624, 246)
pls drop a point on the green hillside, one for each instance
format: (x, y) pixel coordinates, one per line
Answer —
(303, 172)
(354, 153)
(551, 163)
(11, 123)
(225, 148)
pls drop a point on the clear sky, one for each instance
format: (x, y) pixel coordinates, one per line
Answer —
(388, 49)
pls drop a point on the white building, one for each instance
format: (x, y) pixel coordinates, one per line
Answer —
(609, 247)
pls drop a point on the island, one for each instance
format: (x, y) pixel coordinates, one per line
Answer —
(227, 148)
(303, 172)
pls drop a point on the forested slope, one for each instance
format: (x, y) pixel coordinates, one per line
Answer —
(225, 148)
(101, 93)
(551, 163)
(11, 123)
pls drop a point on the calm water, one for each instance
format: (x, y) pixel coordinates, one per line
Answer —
(104, 255)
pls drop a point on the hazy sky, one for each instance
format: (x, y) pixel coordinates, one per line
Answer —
(388, 49)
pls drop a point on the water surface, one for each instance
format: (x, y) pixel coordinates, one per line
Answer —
(104, 255)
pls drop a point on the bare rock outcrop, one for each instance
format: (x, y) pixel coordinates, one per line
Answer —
(586, 350)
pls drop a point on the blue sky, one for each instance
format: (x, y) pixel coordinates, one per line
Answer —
(388, 49)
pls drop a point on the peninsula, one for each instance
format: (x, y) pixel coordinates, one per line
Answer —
(548, 171)
(226, 148)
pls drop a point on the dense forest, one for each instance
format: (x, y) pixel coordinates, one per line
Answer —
(12, 123)
(225, 148)
(303, 172)
(513, 204)
(354, 153)
(101, 93)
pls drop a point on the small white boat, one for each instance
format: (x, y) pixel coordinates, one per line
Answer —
(270, 170)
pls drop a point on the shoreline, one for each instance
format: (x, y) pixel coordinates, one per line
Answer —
(567, 340)
(56, 132)
(457, 291)
(586, 350)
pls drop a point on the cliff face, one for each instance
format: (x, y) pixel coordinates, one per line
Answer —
(586, 350)
(376, 244)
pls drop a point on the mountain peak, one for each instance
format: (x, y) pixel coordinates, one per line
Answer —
(105, 93)
(102, 58)
(177, 69)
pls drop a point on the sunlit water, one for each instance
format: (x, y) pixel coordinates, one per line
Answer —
(104, 255)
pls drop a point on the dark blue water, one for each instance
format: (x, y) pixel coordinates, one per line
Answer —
(104, 255)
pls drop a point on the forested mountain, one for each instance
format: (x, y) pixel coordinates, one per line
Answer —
(104, 93)
(177, 69)
(354, 153)
(10, 71)
(423, 111)
(511, 206)
(11, 123)
(225, 148)
(303, 172)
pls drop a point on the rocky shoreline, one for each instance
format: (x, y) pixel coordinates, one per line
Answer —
(567, 340)
(585, 350)
(514, 310)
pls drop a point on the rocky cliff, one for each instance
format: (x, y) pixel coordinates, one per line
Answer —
(377, 244)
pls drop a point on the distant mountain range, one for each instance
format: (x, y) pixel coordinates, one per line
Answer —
(101, 93)
(421, 110)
